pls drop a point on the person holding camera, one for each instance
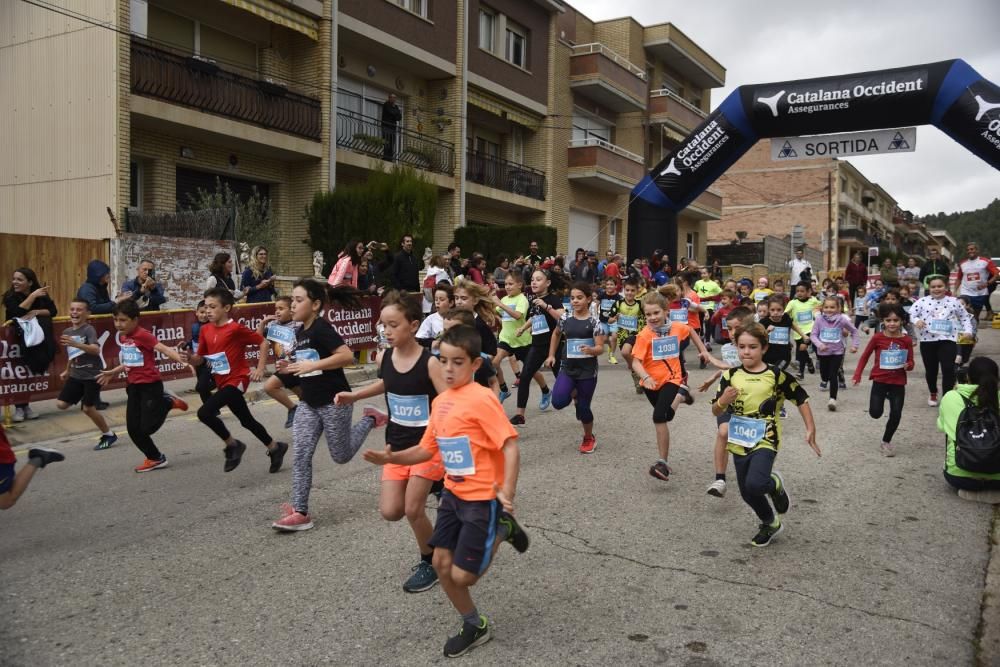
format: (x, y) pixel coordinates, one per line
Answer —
(798, 266)
(143, 289)
(258, 278)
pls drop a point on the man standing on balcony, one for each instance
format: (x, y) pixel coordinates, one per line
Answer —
(391, 115)
(404, 273)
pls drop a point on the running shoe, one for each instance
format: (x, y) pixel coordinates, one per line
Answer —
(660, 470)
(688, 398)
(779, 496)
(812, 368)
(702, 364)
(468, 638)
(767, 533)
(423, 578)
(106, 441)
(831, 405)
(612, 359)
(517, 420)
(29, 413)
(381, 418)
(152, 464)
(436, 488)
(515, 534)
(932, 401)
(290, 419)
(233, 454)
(277, 456)
(176, 403)
(45, 456)
(887, 449)
(801, 375)
(841, 384)
(824, 386)
(19, 414)
(784, 412)
(292, 521)
(588, 445)
(717, 488)
(545, 401)
(504, 395)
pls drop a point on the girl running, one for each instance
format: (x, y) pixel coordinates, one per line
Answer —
(319, 361)
(939, 319)
(222, 343)
(542, 318)
(779, 326)
(512, 346)
(827, 336)
(585, 338)
(860, 307)
(753, 395)
(279, 337)
(476, 298)
(893, 361)
(433, 325)
(410, 379)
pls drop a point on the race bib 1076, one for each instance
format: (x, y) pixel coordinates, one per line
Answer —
(412, 411)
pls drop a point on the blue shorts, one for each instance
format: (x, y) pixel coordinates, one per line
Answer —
(979, 302)
(467, 528)
(6, 477)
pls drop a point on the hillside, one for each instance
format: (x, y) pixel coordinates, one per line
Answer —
(981, 226)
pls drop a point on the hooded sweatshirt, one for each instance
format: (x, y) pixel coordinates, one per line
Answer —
(951, 408)
(93, 292)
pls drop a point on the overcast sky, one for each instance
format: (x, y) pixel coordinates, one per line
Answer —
(778, 40)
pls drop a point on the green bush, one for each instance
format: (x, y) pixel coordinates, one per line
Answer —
(387, 206)
(511, 241)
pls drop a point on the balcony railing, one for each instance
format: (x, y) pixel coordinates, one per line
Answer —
(597, 141)
(505, 175)
(583, 49)
(364, 134)
(203, 85)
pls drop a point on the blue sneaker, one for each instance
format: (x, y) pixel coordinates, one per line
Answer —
(106, 441)
(545, 402)
(504, 395)
(423, 578)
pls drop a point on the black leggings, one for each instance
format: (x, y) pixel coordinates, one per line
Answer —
(935, 353)
(829, 366)
(802, 356)
(205, 382)
(532, 364)
(232, 397)
(145, 413)
(753, 473)
(662, 400)
(896, 393)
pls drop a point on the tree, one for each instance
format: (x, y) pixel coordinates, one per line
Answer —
(254, 223)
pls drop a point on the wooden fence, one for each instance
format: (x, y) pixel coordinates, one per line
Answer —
(60, 263)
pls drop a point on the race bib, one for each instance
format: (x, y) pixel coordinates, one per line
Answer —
(731, 355)
(804, 316)
(74, 352)
(891, 360)
(606, 304)
(973, 277)
(746, 432)
(779, 336)
(628, 322)
(573, 346)
(678, 315)
(759, 296)
(539, 325)
(282, 335)
(218, 363)
(131, 356)
(307, 354)
(408, 410)
(456, 453)
(943, 327)
(831, 335)
(505, 316)
(666, 347)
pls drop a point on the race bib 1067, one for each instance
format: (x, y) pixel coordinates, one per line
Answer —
(891, 360)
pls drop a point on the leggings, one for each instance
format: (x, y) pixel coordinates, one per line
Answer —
(971, 483)
(859, 320)
(935, 353)
(232, 397)
(753, 473)
(896, 393)
(829, 366)
(144, 415)
(966, 352)
(778, 355)
(342, 439)
(662, 400)
(205, 382)
(562, 395)
(802, 356)
(532, 364)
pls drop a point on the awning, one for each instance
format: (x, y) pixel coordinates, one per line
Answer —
(283, 16)
(499, 107)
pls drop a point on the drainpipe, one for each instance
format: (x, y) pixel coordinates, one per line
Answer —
(463, 113)
(332, 175)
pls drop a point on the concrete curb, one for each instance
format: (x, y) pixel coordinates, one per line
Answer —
(73, 423)
(988, 632)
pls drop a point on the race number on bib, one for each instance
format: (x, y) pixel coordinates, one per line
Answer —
(284, 336)
(307, 354)
(666, 347)
(456, 453)
(574, 345)
(131, 356)
(891, 360)
(779, 336)
(678, 315)
(746, 432)
(539, 325)
(408, 410)
(628, 322)
(759, 296)
(730, 355)
(218, 363)
(606, 304)
(943, 327)
(830, 335)
(505, 316)
(74, 352)
(804, 316)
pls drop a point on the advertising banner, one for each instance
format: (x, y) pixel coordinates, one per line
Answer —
(900, 140)
(172, 327)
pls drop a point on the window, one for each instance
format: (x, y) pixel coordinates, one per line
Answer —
(613, 235)
(487, 30)
(487, 147)
(361, 99)
(135, 185)
(514, 52)
(170, 29)
(586, 127)
(516, 144)
(191, 36)
(671, 84)
(692, 244)
(225, 48)
(418, 7)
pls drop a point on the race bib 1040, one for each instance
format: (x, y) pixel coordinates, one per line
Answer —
(746, 432)
(456, 453)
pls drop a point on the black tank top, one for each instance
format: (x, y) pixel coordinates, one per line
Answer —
(408, 396)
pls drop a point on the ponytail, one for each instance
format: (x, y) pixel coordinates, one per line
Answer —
(327, 295)
(983, 373)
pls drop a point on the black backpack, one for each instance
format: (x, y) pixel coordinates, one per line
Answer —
(977, 439)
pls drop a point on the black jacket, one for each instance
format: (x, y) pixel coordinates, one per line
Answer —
(404, 274)
(935, 267)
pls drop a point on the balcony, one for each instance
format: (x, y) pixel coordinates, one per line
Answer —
(599, 74)
(602, 165)
(666, 107)
(364, 134)
(684, 56)
(852, 236)
(706, 206)
(495, 172)
(204, 86)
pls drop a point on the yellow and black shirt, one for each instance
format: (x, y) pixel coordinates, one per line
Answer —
(761, 397)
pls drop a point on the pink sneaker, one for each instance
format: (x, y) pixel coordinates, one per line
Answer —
(292, 521)
(381, 418)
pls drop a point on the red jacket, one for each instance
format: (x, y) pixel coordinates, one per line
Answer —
(876, 345)
(856, 274)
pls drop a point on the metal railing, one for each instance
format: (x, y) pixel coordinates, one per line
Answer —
(364, 134)
(596, 47)
(663, 92)
(597, 141)
(505, 175)
(203, 85)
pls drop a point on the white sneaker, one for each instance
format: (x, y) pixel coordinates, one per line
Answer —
(29, 413)
(832, 405)
(932, 401)
(717, 488)
(19, 414)
(887, 449)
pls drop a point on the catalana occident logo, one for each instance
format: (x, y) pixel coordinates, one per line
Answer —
(831, 95)
(699, 148)
(989, 113)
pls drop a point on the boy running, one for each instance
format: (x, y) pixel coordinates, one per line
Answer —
(83, 353)
(12, 485)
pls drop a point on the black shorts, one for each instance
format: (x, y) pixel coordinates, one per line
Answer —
(74, 390)
(6, 477)
(630, 340)
(662, 400)
(723, 418)
(519, 353)
(288, 381)
(467, 528)
(485, 373)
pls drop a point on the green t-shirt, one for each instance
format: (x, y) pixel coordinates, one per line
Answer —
(948, 414)
(706, 289)
(509, 326)
(761, 397)
(803, 313)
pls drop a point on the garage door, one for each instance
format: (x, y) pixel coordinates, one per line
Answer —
(584, 231)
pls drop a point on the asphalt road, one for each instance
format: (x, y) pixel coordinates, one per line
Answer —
(879, 562)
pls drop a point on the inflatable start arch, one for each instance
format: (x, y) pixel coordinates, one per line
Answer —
(949, 94)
